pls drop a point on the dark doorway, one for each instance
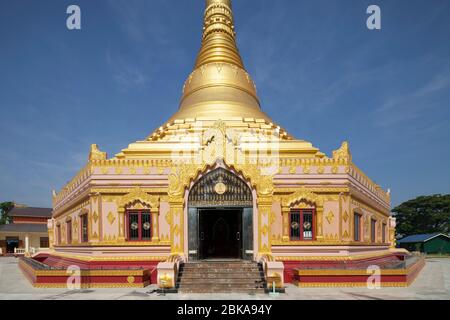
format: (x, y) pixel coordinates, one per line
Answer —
(220, 234)
(11, 244)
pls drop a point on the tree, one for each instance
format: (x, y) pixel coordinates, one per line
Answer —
(425, 214)
(5, 208)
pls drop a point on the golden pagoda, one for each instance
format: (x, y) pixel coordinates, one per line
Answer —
(221, 181)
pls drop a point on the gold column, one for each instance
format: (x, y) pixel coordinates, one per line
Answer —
(51, 240)
(155, 223)
(121, 224)
(319, 212)
(264, 209)
(391, 228)
(285, 210)
(176, 225)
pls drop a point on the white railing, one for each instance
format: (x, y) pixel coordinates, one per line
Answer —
(31, 250)
(19, 250)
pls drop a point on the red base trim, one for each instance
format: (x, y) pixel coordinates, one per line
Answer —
(93, 273)
(323, 272)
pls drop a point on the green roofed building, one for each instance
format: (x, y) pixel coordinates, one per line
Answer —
(427, 243)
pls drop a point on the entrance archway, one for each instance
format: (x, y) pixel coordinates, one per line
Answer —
(220, 217)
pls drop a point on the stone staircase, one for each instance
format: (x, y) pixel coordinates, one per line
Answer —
(221, 277)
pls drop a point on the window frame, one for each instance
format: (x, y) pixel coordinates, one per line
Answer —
(58, 234)
(84, 238)
(357, 216)
(69, 235)
(140, 213)
(373, 230)
(44, 240)
(311, 211)
(383, 232)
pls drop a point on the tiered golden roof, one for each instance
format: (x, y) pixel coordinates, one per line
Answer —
(218, 89)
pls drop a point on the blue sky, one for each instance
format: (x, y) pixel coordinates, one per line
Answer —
(320, 73)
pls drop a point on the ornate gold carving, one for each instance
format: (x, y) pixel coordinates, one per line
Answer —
(343, 153)
(96, 154)
(75, 225)
(345, 216)
(138, 195)
(302, 194)
(95, 216)
(330, 217)
(265, 230)
(111, 218)
(220, 188)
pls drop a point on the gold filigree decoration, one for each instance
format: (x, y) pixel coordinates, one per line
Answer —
(138, 195)
(301, 195)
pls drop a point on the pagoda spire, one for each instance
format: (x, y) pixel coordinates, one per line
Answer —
(219, 37)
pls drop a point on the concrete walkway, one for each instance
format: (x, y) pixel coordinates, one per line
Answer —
(433, 283)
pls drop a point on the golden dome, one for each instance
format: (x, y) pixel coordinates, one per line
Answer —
(219, 87)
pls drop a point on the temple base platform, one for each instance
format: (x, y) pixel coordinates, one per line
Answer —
(388, 269)
(391, 270)
(48, 271)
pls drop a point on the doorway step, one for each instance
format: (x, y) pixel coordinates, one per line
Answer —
(221, 277)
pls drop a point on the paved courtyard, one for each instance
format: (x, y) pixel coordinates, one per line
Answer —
(433, 283)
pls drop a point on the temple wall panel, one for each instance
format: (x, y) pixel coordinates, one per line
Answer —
(74, 216)
(346, 218)
(110, 221)
(367, 215)
(95, 214)
(164, 226)
(276, 222)
(331, 221)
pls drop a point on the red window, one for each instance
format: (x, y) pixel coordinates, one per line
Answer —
(373, 227)
(84, 228)
(58, 233)
(357, 227)
(302, 224)
(44, 242)
(69, 232)
(139, 226)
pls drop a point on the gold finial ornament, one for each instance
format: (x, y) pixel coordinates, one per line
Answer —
(96, 154)
(343, 152)
(219, 37)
